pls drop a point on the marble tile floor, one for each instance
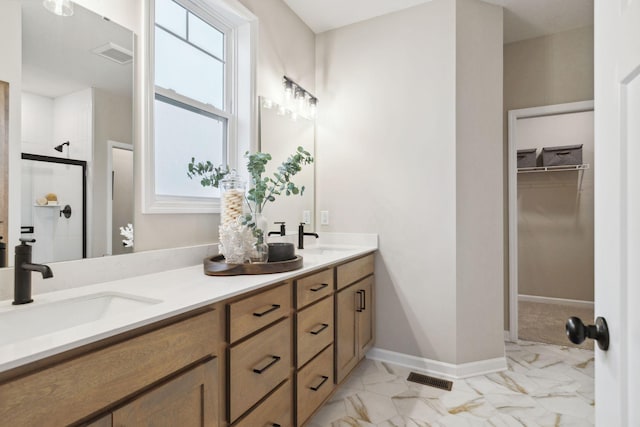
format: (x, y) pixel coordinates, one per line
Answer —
(545, 385)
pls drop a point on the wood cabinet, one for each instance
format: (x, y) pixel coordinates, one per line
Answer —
(315, 384)
(77, 387)
(277, 409)
(270, 357)
(260, 353)
(188, 400)
(257, 366)
(354, 323)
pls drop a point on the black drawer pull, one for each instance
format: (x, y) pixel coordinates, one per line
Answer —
(563, 153)
(274, 424)
(323, 326)
(274, 360)
(320, 287)
(359, 303)
(324, 380)
(274, 307)
(364, 300)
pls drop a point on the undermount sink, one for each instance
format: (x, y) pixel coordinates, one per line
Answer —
(24, 322)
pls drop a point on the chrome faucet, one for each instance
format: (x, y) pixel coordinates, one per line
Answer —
(22, 273)
(301, 235)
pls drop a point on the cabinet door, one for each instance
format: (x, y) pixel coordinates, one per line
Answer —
(347, 354)
(187, 400)
(365, 318)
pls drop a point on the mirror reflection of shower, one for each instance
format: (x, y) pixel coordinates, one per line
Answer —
(61, 146)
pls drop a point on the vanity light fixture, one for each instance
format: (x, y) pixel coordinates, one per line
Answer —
(59, 7)
(297, 101)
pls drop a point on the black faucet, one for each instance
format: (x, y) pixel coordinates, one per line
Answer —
(22, 272)
(282, 232)
(301, 235)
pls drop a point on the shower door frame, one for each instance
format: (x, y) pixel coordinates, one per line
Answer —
(73, 162)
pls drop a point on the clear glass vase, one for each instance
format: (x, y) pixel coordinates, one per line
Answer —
(259, 252)
(236, 238)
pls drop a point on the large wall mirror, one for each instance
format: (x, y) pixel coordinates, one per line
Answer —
(76, 133)
(280, 135)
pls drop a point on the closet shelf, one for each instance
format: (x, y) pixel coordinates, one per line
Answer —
(554, 168)
(580, 168)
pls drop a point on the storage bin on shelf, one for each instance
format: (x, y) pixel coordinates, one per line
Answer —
(527, 158)
(562, 156)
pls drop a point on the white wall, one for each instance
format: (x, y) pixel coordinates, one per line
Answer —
(387, 163)
(480, 250)
(286, 46)
(37, 123)
(113, 120)
(48, 122)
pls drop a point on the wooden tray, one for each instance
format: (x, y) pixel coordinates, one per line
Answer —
(215, 266)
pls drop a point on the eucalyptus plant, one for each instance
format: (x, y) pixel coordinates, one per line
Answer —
(263, 189)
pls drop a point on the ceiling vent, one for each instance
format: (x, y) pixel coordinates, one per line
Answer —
(115, 53)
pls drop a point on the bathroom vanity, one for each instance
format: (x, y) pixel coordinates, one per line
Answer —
(214, 351)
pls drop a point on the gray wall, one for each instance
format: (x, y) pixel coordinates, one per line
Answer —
(547, 70)
(392, 90)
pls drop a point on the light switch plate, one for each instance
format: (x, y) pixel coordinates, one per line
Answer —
(306, 217)
(324, 217)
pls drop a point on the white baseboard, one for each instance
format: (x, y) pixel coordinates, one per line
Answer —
(550, 300)
(439, 369)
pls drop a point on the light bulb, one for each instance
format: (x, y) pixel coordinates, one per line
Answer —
(59, 7)
(288, 92)
(313, 107)
(301, 101)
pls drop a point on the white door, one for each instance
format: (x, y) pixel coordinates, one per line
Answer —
(617, 209)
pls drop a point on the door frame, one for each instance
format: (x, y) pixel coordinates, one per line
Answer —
(512, 172)
(109, 177)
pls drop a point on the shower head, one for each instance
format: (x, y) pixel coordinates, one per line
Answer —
(59, 147)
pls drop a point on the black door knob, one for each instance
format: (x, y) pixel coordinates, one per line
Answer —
(578, 332)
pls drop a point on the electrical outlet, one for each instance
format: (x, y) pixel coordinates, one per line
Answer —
(324, 217)
(306, 217)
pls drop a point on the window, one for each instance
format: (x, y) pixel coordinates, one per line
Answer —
(203, 87)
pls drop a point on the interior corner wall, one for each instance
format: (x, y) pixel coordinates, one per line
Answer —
(286, 46)
(546, 70)
(386, 164)
(479, 220)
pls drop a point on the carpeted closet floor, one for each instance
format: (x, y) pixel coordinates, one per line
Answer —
(545, 323)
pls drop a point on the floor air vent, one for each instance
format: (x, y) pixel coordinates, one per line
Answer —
(430, 381)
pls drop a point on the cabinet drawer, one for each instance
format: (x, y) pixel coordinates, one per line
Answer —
(354, 270)
(275, 410)
(315, 330)
(73, 389)
(254, 312)
(314, 287)
(315, 383)
(257, 366)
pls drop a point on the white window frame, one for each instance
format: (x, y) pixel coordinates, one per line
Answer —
(241, 30)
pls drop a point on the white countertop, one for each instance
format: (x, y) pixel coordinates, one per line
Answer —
(179, 291)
